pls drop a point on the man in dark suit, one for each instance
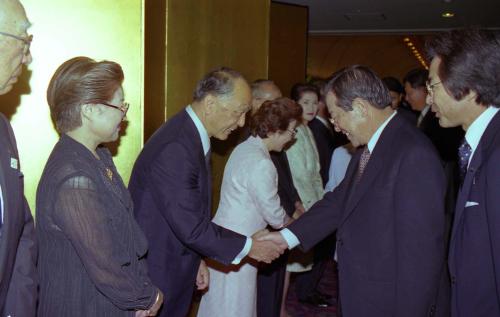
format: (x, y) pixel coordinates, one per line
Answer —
(18, 249)
(271, 277)
(464, 87)
(388, 211)
(446, 141)
(171, 189)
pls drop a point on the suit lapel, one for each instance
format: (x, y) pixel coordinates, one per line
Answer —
(478, 157)
(6, 178)
(205, 168)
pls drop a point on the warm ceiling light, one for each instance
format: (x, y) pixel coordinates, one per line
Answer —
(406, 39)
(448, 14)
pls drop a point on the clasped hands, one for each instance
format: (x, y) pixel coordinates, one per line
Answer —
(267, 246)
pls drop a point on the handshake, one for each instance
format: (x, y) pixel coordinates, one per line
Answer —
(267, 246)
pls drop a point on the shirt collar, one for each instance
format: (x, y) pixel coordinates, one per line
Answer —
(205, 139)
(425, 110)
(374, 139)
(323, 120)
(477, 128)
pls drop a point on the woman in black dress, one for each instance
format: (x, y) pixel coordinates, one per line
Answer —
(91, 249)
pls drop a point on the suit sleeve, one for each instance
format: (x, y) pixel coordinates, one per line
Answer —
(493, 211)
(175, 179)
(420, 247)
(321, 220)
(81, 215)
(22, 294)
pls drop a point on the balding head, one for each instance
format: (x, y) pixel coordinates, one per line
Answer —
(14, 43)
(263, 90)
(13, 18)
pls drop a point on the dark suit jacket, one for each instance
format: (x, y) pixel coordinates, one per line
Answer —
(446, 140)
(286, 190)
(410, 115)
(18, 248)
(474, 258)
(325, 143)
(171, 190)
(389, 227)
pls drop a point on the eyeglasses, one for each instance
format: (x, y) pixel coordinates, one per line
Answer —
(26, 40)
(430, 87)
(123, 108)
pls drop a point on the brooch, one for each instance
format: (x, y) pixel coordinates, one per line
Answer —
(109, 174)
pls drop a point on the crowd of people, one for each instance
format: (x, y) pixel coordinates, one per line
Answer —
(397, 182)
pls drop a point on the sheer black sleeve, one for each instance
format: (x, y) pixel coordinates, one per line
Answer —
(82, 216)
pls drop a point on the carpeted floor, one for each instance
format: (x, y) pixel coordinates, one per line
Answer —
(328, 286)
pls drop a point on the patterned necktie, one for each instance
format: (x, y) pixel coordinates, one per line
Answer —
(464, 153)
(363, 161)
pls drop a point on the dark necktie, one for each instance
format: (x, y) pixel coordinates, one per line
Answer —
(363, 161)
(464, 153)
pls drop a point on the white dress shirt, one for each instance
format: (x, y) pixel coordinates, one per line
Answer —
(205, 142)
(477, 128)
(290, 238)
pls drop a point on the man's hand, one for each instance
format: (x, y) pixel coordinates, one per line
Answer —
(264, 250)
(203, 276)
(276, 238)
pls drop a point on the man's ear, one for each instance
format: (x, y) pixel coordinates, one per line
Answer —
(88, 111)
(360, 107)
(470, 97)
(209, 104)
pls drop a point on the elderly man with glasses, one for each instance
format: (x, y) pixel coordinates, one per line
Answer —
(18, 283)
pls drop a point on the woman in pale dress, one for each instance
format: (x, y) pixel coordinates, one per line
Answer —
(304, 165)
(249, 202)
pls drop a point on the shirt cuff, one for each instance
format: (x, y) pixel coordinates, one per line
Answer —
(244, 252)
(290, 238)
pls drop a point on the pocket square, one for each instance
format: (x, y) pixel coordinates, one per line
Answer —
(471, 203)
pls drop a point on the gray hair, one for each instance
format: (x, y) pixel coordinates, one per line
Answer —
(219, 83)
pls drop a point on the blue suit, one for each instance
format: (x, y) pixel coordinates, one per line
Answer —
(171, 189)
(390, 227)
(18, 247)
(474, 257)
